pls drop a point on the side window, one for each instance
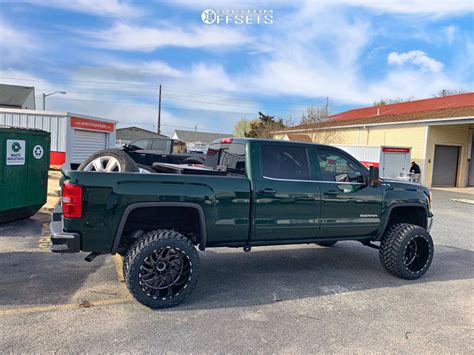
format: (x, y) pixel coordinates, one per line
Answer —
(285, 162)
(233, 158)
(230, 156)
(160, 145)
(338, 167)
(140, 144)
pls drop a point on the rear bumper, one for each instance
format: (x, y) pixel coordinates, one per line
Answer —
(62, 242)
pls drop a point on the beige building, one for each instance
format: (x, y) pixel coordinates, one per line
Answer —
(439, 132)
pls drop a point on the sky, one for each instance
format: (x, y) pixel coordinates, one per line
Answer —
(110, 56)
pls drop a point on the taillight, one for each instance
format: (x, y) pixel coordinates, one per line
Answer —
(72, 200)
(226, 140)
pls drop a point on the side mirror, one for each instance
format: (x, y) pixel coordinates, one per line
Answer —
(374, 177)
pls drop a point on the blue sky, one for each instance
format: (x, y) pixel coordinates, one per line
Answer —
(111, 55)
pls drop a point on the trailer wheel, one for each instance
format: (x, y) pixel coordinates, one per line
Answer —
(108, 161)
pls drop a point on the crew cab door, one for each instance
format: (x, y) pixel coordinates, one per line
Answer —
(349, 206)
(286, 200)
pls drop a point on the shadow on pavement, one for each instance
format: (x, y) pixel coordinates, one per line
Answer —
(269, 276)
(39, 277)
(229, 278)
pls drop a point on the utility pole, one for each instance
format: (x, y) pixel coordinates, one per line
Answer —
(159, 111)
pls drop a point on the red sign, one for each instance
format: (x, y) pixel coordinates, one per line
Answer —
(94, 125)
(396, 150)
(368, 164)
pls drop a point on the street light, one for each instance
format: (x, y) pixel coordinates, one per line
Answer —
(46, 95)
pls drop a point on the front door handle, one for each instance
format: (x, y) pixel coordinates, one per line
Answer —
(267, 191)
(332, 192)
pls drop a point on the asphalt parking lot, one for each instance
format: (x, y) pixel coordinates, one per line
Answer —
(288, 299)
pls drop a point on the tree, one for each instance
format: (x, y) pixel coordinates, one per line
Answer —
(315, 114)
(242, 127)
(264, 126)
(448, 92)
(383, 102)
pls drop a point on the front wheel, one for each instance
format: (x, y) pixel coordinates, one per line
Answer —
(406, 250)
(161, 269)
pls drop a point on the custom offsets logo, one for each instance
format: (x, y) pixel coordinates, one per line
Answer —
(237, 17)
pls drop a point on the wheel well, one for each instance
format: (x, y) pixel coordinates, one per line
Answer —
(185, 220)
(409, 214)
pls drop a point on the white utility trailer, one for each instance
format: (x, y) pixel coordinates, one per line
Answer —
(393, 161)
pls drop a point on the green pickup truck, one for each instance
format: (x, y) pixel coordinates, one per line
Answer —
(250, 192)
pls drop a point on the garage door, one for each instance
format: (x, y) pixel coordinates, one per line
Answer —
(87, 143)
(394, 164)
(445, 167)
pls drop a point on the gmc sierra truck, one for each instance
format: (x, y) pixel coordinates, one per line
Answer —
(249, 193)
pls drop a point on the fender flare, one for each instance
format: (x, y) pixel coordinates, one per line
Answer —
(134, 206)
(389, 211)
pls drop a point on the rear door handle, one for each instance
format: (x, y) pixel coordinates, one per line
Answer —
(332, 192)
(267, 191)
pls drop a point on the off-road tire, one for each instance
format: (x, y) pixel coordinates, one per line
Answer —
(143, 249)
(127, 164)
(326, 244)
(394, 247)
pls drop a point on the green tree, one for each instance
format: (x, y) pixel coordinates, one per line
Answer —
(242, 127)
(264, 126)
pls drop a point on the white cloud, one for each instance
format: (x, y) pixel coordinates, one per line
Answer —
(15, 44)
(129, 37)
(450, 33)
(201, 87)
(113, 68)
(22, 78)
(106, 8)
(412, 7)
(415, 57)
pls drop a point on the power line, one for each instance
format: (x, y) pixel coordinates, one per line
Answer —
(138, 104)
(121, 84)
(167, 125)
(207, 94)
(81, 82)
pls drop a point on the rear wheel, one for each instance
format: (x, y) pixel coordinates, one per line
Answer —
(161, 269)
(109, 161)
(406, 250)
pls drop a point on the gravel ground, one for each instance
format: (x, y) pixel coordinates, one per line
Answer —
(289, 299)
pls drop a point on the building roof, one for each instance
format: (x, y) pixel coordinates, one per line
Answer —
(134, 133)
(432, 104)
(15, 96)
(299, 137)
(434, 115)
(199, 137)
